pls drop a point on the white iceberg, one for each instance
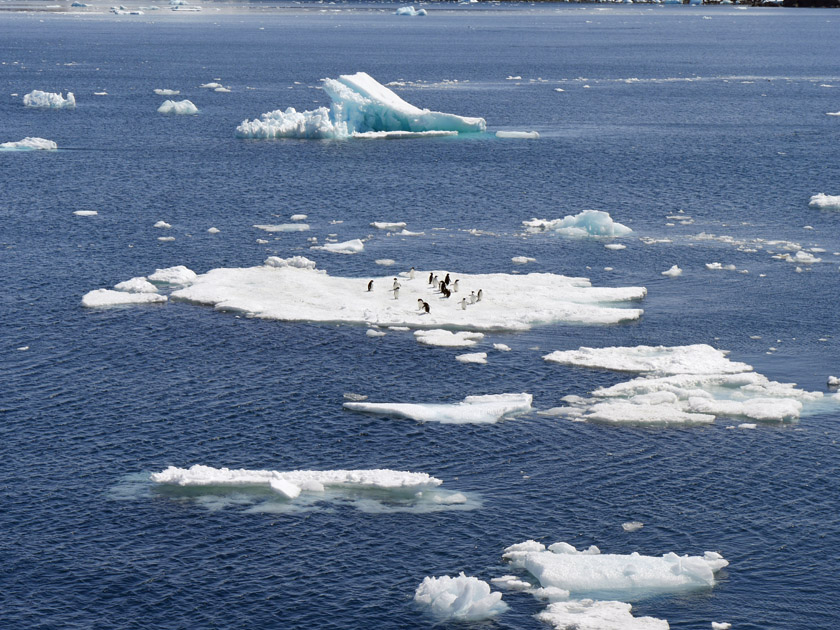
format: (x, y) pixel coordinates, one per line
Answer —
(825, 202)
(486, 409)
(176, 276)
(29, 144)
(49, 100)
(590, 573)
(103, 298)
(410, 11)
(461, 598)
(361, 107)
(510, 302)
(185, 107)
(353, 246)
(479, 358)
(584, 224)
(588, 614)
(163, 225)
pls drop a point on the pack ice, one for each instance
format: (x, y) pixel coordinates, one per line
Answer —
(472, 410)
(361, 108)
(291, 290)
(584, 224)
(680, 384)
(49, 100)
(29, 144)
(462, 598)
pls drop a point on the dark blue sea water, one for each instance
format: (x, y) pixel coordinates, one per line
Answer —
(716, 112)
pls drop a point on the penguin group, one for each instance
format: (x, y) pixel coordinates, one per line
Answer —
(445, 287)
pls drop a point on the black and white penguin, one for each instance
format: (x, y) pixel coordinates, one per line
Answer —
(396, 284)
(370, 286)
(411, 274)
(463, 304)
(431, 277)
(472, 297)
(426, 306)
(419, 304)
(446, 292)
(455, 287)
(436, 281)
(397, 292)
(446, 279)
(479, 295)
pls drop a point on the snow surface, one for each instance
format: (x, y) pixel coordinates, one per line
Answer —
(184, 107)
(102, 298)
(461, 598)
(584, 224)
(588, 614)
(511, 302)
(346, 247)
(589, 573)
(473, 357)
(361, 107)
(486, 409)
(49, 100)
(177, 276)
(825, 202)
(29, 144)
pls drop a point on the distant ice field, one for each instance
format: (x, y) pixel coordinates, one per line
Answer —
(706, 138)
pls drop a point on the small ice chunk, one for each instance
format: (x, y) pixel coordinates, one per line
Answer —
(85, 213)
(523, 260)
(615, 246)
(222, 90)
(372, 332)
(136, 285)
(354, 397)
(179, 276)
(501, 347)
(298, 217)
(102, 298)
(519, 135)
(456, 498)
(485, 409)
(673, 272)
(410, 12)
(721, 625)
(284, 227)
(49, 100)
(585, 224)
(460, 598)
(385, 262)
(473, 357)
(211, 86)
(213, 230)
(511, 582)
(632, 526)
(184, 108)
(165, 92)
(747, 425)
(833, 381)
(162, 224)
(384, 225)
(29, 144)
(284, 488)
(346, 247)
(825, 202)
(166, 239)
(447, 338)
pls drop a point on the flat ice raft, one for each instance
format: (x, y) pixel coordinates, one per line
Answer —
(284, 292)
(290, 484)
(361, 108)
(472, 410)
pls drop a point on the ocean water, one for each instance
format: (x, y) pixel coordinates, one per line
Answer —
(716, 113)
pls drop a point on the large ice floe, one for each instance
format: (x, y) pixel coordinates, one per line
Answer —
(184, 108)
(404, 491)
(461, 598)
(584, 224)
(678, 385)
(49, 100)
(29, 144)
(290, 290)
(472, 410)
(361, 108)
(825, 202)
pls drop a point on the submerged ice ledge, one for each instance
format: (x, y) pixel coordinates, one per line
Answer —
(278, 290)
(361, 107)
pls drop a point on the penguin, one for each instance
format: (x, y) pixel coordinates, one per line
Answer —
(463, 304)
(436, 281)
(396, 285)
(419, 304)
(441, 287)
(455, 286)
(397, 292)
(431, 277)
(472, 297)
(370, 286)
(446, 279)
(446, 292)
(426, 306)
(479, 295)
(411, 274)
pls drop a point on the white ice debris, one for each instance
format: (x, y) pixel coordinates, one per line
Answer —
(747, 425)
(472, 357)
(825, 202)
(372, 332)
(447, 338)
(166, 239)
(511, 582)
(101, 298)
(520, 135)
(588, 614)
(410, 12)
(298, 217)
(385, 225)
(833, 381)
(615, 246)
(590, 573)
(461, 598)
(136, 285)
(721, 625)
(211, 86)
(353, 246)
(632, 526)
(682, 384)
(213, 230)
(85, 213)
(291, 483)
(176, 276)
(185, 107)
(522, 260)
(162, 225)
(165, 92)
(510, 301)
(29, 144)
(49, 100)
(385, 262)
(673, 272)
(716, 266)
(583, 224)
(472, 410)
(501, 347)
(284, 227)
(361, 107)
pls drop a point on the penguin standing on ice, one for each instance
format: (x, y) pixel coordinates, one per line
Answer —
(472, 297)
(397, 292)
(411, 274)
(425, 307)
(455, 287)
(370, 286)
(431, 277)
(446, 279)
(396, 285)
(479, 295)
(419, 304)
(463, 304)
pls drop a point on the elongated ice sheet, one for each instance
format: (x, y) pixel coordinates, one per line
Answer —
(472, 410)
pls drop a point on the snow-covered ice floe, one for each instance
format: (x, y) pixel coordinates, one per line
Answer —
(825, 202)
(479, 358)
(103, 298)
(681, 385)
(583, 224)
(462, 598)
(49, 100)
(589, 573)
(404, 491)
(185, 107)
(448, 338)
(29, 144)
(472, 410)
(353, 246)
(361, 108)
(510, 302)
(410, 11)
(589, 614)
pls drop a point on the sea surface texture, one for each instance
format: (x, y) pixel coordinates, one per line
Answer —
(702, 129)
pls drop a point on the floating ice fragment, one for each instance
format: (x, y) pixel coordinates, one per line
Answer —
(747, 425)
(472, 357)
(371, 332)
(85, 213)
(833, 381)
(588, 614)
(384, 225)
(29, 144)
(213, 230)
(166, 239)
(583, 224)
(513, 78)
(523, 260)
(673, 272)
(185, 107)
(410, 11)
(49, 100)
(447, 338)
(162, 224)
(520, 135)
(615, 246)
(361, 107)
(298, 217)
(211, 86)
(385, 262)
(825, 202)
(721, 625)
(222, 90)
(632, 526)
(693, 359)
(102, 298)
(284, 227)
(472, 410)
(176, 276)
(501, 347)
(346, 247)
(460, 598)
(165, 92)
(136, 285)
(832, 113)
